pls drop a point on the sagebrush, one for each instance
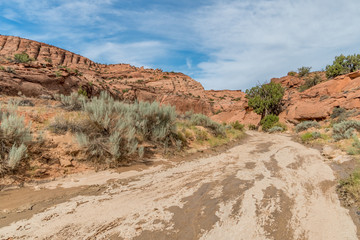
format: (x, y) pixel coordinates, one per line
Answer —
(205, 121)
(118, 129)
(306, 125)
(345, 129)
(15, 135)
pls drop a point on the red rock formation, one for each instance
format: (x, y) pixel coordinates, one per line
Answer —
(54, 70)
(317, 103)
(41, 52)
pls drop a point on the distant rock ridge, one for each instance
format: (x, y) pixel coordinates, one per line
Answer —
(55, 70)
(42, 52)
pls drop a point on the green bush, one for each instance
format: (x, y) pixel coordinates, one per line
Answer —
(292, 73)
(265, 99)
(345, 129)
(82, 92)
(238, 126)
(310, 82)
(306, 125)
(268, 122)
(303, 71)
(343, 65)
(22, 58)
(202, 120)
(310, 136)
(15, 135)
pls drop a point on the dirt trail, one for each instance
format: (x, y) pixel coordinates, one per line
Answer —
(270, 187)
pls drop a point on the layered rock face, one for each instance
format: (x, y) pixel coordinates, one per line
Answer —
(318, 102)
(41, 52)
(231, 106)
(54, 70)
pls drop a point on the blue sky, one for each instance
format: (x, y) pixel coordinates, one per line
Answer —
(223, 44)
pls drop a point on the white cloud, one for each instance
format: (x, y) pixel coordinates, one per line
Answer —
(188, 63)
(251, 41)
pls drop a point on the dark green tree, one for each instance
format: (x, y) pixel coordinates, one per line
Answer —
(265, 99)
(304, 71)
(343, 65)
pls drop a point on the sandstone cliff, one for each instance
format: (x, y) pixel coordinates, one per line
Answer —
(54, 70)
(317, 102)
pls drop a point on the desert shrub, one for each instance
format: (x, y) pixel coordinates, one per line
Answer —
(252, 127)
(14, 136)
(153, 121)
(345, 129)
(310, 82)
(26, 102)
(282, 125)
(112, 139)
(22, 58)
(306, 125)
(278, 127)
(343, 65)
(13, 127)
(292, 73)
(238, 126)
(323, 97)
(340, 114)
(58, 74)
(275, 129)
(202, 120)
(310, 136)
(201, 135)
(351, 185)
(73, 102)
(303, 71)
(337, 111)
(16, 154)
(118, 128)
(61, 124)
(10, 70)
(355, 149)
(269, 121)
(82, 92)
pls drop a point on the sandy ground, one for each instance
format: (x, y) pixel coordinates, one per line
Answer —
(269, 187)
